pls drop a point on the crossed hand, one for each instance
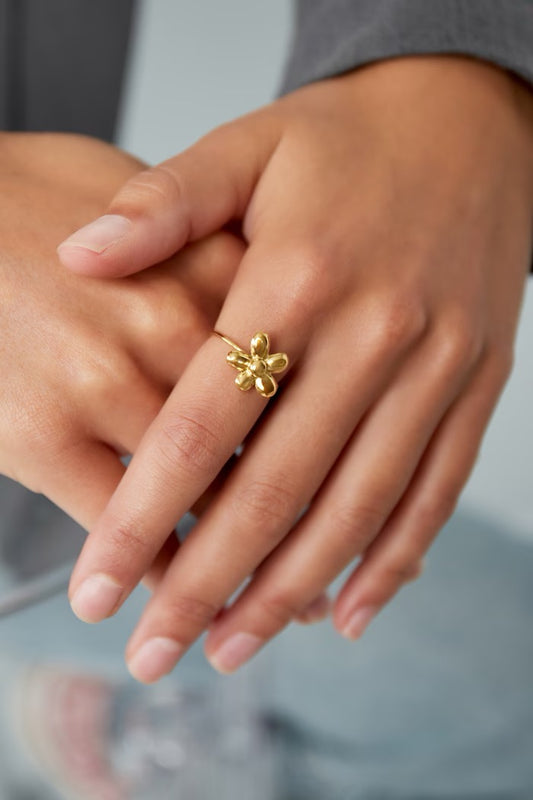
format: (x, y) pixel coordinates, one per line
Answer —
(385, 219)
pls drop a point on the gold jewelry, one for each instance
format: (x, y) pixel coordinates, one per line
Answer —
(257, 366)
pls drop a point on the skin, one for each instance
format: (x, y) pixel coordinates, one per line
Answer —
(388, 214)
(99, 357)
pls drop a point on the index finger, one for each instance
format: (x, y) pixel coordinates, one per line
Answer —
(201, 424)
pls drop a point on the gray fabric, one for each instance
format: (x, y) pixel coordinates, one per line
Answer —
(62, 64)
(333, 36)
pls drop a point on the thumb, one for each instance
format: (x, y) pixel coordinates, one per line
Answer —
(184, 198)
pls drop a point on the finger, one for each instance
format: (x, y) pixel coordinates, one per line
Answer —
(202, 423)
(191, 440)
(158, 569)
(165, 556)
(319, 608)
(172, 308)
(261, 501)
(316, 610)
(81, 479)
(178, 201)
(207, 269)
(168, 551)
(122, 424)
(397, 552)
(124, 408)
(353, 503)
(215, 488)
(80, 482)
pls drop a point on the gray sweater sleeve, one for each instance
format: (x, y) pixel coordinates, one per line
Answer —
(334, 36)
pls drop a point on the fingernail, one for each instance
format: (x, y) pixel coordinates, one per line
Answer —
(316, 610)
(235, 651)
(359, 621)
(96, 598)
(154, 659)
(100, 234)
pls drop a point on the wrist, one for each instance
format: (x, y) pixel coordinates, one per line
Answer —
(458, 87)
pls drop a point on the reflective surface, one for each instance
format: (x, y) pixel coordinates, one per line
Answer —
(436, 700)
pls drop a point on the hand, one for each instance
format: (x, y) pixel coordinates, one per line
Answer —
(87, 364)
(388, 214)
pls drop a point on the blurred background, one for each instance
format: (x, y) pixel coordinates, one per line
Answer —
(436, 701)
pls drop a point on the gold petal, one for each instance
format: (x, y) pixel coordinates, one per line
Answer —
(237, 359)
(259, 345)
(245, 380)
(277, 362)
(266, 385)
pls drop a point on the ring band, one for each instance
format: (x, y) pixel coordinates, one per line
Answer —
(256, 367)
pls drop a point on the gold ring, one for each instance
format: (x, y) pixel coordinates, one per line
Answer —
(256, 367)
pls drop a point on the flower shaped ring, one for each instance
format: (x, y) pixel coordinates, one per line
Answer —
(256, 367)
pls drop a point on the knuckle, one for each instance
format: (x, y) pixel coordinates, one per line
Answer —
(149, 310)
(314, 258)
(102, 372)
(417, 568)
(164, 317)
(460, 344)
(30, 474)
(38, 429)
(434, 510)
(150, 188)
(266, 502)
(221, 251)
(37, 444)
(192, 325)
(501, 360)
(355, 524)
(397, 572)
(399, 322)
(185, 609)
(277, 609)
(191, 441)
(308, 278)
(128, 541)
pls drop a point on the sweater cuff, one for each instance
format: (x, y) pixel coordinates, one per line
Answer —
(334, 36)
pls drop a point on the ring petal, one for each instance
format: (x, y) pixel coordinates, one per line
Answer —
(266, 385)
(237, 359)
(277, 362)
(259, 345)
(245, 380)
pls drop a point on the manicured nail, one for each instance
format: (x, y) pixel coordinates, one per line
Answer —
(100, 234)
(316, 610)
(96, 598)
(154, 659)
(235, 651)
(359, 621)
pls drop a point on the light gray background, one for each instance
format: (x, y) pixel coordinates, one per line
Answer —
(436, 700)
(195, 65)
